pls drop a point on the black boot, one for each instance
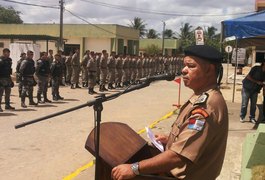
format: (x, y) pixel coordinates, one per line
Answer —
(72, 86)
(45, 98)
(59, 97)
(23, 101)
(91, 91)
(111, 85)
(31, 101)
(39, 99)
(1, 110)
(83, 84)
(103, 88)
(8, 106)
(77, 86)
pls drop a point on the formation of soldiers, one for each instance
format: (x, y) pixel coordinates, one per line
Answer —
(112, 71)
(108, 71)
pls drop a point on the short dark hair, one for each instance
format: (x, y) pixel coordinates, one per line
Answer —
(6, 50)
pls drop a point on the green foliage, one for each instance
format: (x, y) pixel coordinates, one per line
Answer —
(138, 24)
(169, 34)
(152, 49)
(9, 16)
(152, 34)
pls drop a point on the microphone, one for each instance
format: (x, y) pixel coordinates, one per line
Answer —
(168, 77)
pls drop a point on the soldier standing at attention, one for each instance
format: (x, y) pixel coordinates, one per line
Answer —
(56, 73)
(92, 73)
(76, 70)
(98, 57)
(103, 71)
(118, 71)
(84, 69)
(50, 59)
(139, 65)
(125, 70)
(6, 82)
(43, 74)
(68, 63)
(27, 70)
(62, 61)
(18, 75)
(111, 70)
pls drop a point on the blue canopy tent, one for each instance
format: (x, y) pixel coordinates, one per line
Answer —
(248, 31)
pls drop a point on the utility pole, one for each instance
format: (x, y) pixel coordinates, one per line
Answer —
(163, 38)
(60, 47)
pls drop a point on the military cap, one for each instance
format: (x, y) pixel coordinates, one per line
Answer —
(204, 52)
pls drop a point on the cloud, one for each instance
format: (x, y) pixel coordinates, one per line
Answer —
(100, 14)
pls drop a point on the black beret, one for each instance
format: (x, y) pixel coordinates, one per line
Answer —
(204, 52)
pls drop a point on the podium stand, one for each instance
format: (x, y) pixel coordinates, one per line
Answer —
(120, 144)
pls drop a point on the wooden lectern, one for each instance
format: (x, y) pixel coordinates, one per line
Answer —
(120, 144)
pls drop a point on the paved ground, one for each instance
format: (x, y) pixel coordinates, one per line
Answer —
(53, 149)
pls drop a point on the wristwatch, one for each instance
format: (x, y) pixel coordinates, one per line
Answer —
(135, 168)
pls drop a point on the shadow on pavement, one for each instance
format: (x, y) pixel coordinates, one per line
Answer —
(7, 114)
(25, 110)
(71, 100)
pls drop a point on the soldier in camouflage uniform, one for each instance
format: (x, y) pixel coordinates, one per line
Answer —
(98, 57)
(84, 69)
(103, 71)
(62, 61)
(27, 70)
(134, 69)
(92, 73)
(111, 70)
(43, 74)
(6, 82)
(76, 70)
(118, 71)
(125, 70)
(56, 73)
(50, 59)
(68, 63)
(18, 76)
(139, 65)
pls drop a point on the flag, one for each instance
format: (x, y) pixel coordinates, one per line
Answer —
(178, 80)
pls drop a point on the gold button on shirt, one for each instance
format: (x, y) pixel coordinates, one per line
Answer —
(200, 137)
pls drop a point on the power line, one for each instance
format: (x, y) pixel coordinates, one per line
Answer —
(79, 17)
(148, 11)
(30, 4)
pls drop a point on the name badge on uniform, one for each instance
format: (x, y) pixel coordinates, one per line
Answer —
(196, 124)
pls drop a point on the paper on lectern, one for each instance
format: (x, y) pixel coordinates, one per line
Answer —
(156, 143)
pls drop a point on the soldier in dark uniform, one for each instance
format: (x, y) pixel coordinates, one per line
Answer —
(6, 82)
(50, 59)
(56, 73)
(18, 76)
(43, 73)
(27, 70)
(62, 61)
(195, 147)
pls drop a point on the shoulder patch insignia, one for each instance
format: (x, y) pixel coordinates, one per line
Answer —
(200, 111)
(201, 99)
(196, 124)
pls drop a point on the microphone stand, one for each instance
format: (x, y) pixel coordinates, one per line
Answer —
(98, 108)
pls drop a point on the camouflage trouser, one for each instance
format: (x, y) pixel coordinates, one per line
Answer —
(98, 74)
(103, 76)
(111, 75)
(139, 73)
(42, 84)
(68, 73)
(84, 74)
(55, 85)
(125, 73)
(133, 75)
(118, 75)
(5, 86)
(75, 74)
(7, 91)
(92, 77)
(27, 89)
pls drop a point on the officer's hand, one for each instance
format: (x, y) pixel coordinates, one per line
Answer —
(122, 171)
(162, 138)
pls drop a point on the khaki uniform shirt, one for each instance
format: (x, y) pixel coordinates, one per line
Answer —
(200, 134)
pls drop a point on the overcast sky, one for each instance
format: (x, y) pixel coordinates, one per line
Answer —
(173, 12)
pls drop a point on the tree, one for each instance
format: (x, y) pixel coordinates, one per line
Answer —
(186, 35)
(138, 24)
(152, 34)
(169, 34)
(152, 49)
(210, 32)
(9, 16)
